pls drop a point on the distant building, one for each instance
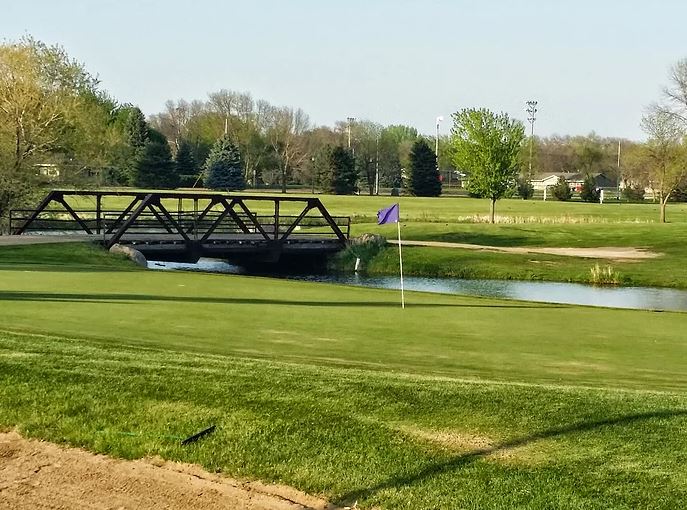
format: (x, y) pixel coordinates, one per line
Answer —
(48, 170)
(575, 180)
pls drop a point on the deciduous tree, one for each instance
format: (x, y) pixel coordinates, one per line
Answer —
(486, 144)
(285, 133)
(664, 155)
(40, 90)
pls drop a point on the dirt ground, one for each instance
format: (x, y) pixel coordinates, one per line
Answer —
(608, 252)
(40, 475)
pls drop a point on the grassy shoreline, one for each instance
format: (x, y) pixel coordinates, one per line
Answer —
(666, 270)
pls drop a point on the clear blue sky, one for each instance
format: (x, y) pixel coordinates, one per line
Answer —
(593, 65)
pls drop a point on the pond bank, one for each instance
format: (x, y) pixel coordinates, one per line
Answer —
(636, 298)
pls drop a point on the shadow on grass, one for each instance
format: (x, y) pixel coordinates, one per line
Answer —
(136, 298)
(66, 268)
(468, 458)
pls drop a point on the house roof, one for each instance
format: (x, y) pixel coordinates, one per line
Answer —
(570, 176)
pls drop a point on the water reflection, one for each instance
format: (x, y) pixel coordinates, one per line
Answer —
(640, 298)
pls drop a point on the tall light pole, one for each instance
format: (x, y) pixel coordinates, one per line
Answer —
(377, 166)
(440, 119)
(436, 145)
(351, 120)
(619, 174)
(531, 117)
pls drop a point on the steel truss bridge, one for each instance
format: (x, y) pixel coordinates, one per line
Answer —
(184, 226)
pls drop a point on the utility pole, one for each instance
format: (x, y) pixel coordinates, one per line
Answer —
(436, 145)
(531, 117)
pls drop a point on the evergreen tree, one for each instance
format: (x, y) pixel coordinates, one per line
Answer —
(136, 136)
(342, 171)
(155, 167)
(223, 168)
(424, 174)
(186, 167)
(136, 128)
(589, 191)
(562, 190)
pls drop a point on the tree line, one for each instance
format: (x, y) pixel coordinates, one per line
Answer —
(54, 114)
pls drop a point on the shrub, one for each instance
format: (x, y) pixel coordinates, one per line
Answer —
(633, 193)
(589, 191)
(561, 191)
(365, 248)
(525, 189)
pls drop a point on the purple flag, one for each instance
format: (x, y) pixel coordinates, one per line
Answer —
(388, 215)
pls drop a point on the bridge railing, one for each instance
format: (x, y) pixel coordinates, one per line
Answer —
(151, 215)
(148, 225)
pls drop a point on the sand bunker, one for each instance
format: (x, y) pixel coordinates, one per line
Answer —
(40, 475)
(608, 252)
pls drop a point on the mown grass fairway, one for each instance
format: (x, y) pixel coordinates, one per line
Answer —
(453, 403)
(452, 209)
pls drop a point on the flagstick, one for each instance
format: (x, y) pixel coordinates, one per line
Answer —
(400, 259)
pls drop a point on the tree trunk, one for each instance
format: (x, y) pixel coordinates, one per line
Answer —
(664, 202)
(492, 205)
(283, 179)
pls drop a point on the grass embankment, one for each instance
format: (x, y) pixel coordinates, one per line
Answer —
(453, 403)
(668, 269)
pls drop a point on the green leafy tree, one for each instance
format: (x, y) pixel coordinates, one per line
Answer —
(155, 167)
(342, 171)
(424, 175)
(487, 145)
(589, 153)
(664, 155)
(41, 91)
(561, 190)
(589, 191)
(186, 166)
(223, 168)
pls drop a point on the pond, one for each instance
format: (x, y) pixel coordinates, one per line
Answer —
(638, 298)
